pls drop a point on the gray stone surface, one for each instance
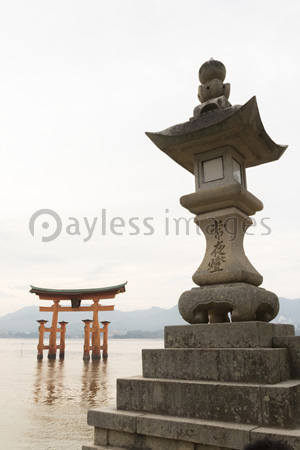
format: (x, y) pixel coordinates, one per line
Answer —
(224, 434)
(226, 226)
(292, 343)
(115, 420)
(146, 442)
(236, 365)
(290, 437)
(224, 231)
(213, 93)
(214, 304)
(197, 431)
(101, 436)
(208, 447)
(156, 432)
(240, 127)
(268, 405)
(227, 402)
(210, 70)
(94, 447)
(121, 439)
(99, 447)
(281, 404)
(225, 335)
(227, 196)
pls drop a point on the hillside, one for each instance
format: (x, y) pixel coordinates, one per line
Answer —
(24, 320)
(153, 319)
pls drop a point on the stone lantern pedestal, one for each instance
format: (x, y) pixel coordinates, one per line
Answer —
(216, 386)
(229, 377)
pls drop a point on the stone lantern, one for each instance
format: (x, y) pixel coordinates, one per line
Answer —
(214, 385)
(217, 145)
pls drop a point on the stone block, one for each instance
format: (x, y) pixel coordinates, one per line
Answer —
(275, 405)
(100, 436)
(142, 442)
(121, 439)
(192, 430)
(290, 437)
(96, 447)
(281, 404)
(260, 365)
(225, 335)
(154, 443)
(113, 419)
(283, 329)
(292, 343)
(227, 402)
(210, 447)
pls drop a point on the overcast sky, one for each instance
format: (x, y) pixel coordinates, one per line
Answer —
(80, 83)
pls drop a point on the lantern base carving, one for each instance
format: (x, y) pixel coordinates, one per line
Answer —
(215, 303)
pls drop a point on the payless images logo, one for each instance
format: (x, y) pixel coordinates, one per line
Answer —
(85, 226)
(51, 222)
(46, 224)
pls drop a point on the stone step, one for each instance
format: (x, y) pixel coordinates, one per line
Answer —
(292, 343)
(124, 427)
(226, 335)
(116, 429)
(99, 447)
(261, 365)
(275, 405)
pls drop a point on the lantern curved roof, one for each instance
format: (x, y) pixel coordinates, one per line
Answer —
(237, 126)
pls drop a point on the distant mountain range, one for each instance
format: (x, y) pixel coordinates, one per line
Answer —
(153, 319)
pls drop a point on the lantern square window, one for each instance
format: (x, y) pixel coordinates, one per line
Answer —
(237, 171)
(213, 169)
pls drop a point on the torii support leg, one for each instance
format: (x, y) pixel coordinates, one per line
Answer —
(52, 339)
(62, 339)
(86, 345)
(40, 346)
(96, 333)
(105, 339)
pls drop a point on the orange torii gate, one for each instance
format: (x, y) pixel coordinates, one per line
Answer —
(91, 326)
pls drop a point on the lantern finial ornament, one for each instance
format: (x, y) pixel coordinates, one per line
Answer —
(213, 93)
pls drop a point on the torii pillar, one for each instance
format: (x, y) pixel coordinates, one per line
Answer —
(62, 339)
(96, 345)
(52, 339)
(86, 345)
(105, 339)
(42, 330)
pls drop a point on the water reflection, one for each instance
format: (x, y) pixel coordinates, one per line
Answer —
(94, 380)
(55, 382)
(49, 400)
(49, 382)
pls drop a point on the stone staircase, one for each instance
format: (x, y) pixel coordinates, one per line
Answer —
(213, 387)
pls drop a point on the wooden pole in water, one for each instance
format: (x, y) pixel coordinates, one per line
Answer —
(52, 339)
(62, 339)
(105, 339)
(96, 332)
(40, 346)
(86, 345)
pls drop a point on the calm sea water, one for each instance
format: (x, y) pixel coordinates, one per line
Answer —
(44, 403)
